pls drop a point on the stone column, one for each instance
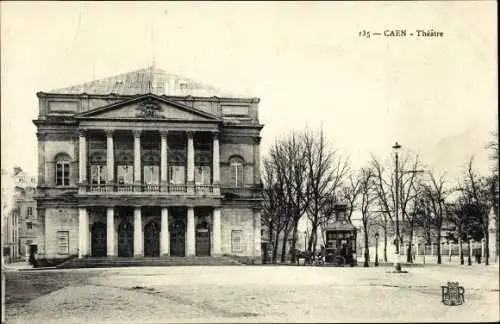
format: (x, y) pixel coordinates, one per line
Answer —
(190, 235)
(216, 163)
(256, 236)
(110, 231)
(165, 237)
(82, 159)
(164, 161)
(216, 232)
(138, 242)
(41, 158)
(110, 159)
(137, 160)
(256, 161)
(190, 161)
(83, 229)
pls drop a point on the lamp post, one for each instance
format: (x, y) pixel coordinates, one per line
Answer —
(397, 263)
(376, 249)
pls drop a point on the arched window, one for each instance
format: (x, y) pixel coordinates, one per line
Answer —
(62, 169)
(236, 165)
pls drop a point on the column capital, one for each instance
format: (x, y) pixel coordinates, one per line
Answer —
(256, 139)
(215, 135)
(82, 132)
(163, 133)
(137, 132)
(109, 132)
(190, 134)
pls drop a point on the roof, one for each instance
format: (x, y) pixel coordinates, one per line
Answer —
(338, 226)
(148, 80)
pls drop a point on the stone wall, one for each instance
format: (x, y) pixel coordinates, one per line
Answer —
(240, 219)
(61, 219)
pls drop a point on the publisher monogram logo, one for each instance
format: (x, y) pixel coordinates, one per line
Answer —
(452, 294)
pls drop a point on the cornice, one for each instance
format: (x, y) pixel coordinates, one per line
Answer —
(42, 94)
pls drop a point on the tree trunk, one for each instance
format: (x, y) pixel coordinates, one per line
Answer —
(275, 246)
(283, 249)
(409, 257)
(312, 238)
(469, 261)
(385, 244)
(270, 240)
(315, 242)
(367, 251)
(486, 248)
(439, 247)
(294, 239)
(461, 250)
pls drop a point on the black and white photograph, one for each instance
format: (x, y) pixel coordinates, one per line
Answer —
(249, 162)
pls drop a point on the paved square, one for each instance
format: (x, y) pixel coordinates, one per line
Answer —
(249, 294)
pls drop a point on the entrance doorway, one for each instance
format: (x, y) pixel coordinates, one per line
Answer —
(99, 240)
(203, 239)
(152, 240)
(178, 237)
(125, 240)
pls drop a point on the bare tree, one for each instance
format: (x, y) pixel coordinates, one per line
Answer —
(350, 192)
(385, 186)
(294, 173)
(367, 196)
(325, 172)
(477, 194)
(276, 204)
(434, 194)
(458, 215)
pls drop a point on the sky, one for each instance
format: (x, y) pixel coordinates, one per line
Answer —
(436, 96)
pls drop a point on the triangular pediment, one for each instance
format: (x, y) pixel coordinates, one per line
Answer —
(148, 107)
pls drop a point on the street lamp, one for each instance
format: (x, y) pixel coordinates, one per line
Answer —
(397, 264)
(376, 249)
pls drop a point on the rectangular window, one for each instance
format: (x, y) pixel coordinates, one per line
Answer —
(29, 211)
(202, 175)
(98, 174)
(151, 174)
(236, 241)
(125, 174)
(237, 175)
(62, 174)
(177, 174)
(63, 242)
(29, 225)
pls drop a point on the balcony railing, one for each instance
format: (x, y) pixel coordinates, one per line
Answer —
(204, 189)
(174, 189)
(151, 187)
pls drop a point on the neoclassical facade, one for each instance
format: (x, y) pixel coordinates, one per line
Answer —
(148, 164)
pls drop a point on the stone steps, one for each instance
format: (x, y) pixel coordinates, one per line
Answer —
(105, 262)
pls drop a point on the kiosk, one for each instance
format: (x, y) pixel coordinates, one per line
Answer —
(340, 239)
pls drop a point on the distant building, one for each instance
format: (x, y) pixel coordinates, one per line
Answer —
(25, 203)
(148, 163)
(20, 227)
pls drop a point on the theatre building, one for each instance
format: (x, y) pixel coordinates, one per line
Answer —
(148, 164)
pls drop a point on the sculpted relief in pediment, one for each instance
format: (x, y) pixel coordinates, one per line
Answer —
(150, 108)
